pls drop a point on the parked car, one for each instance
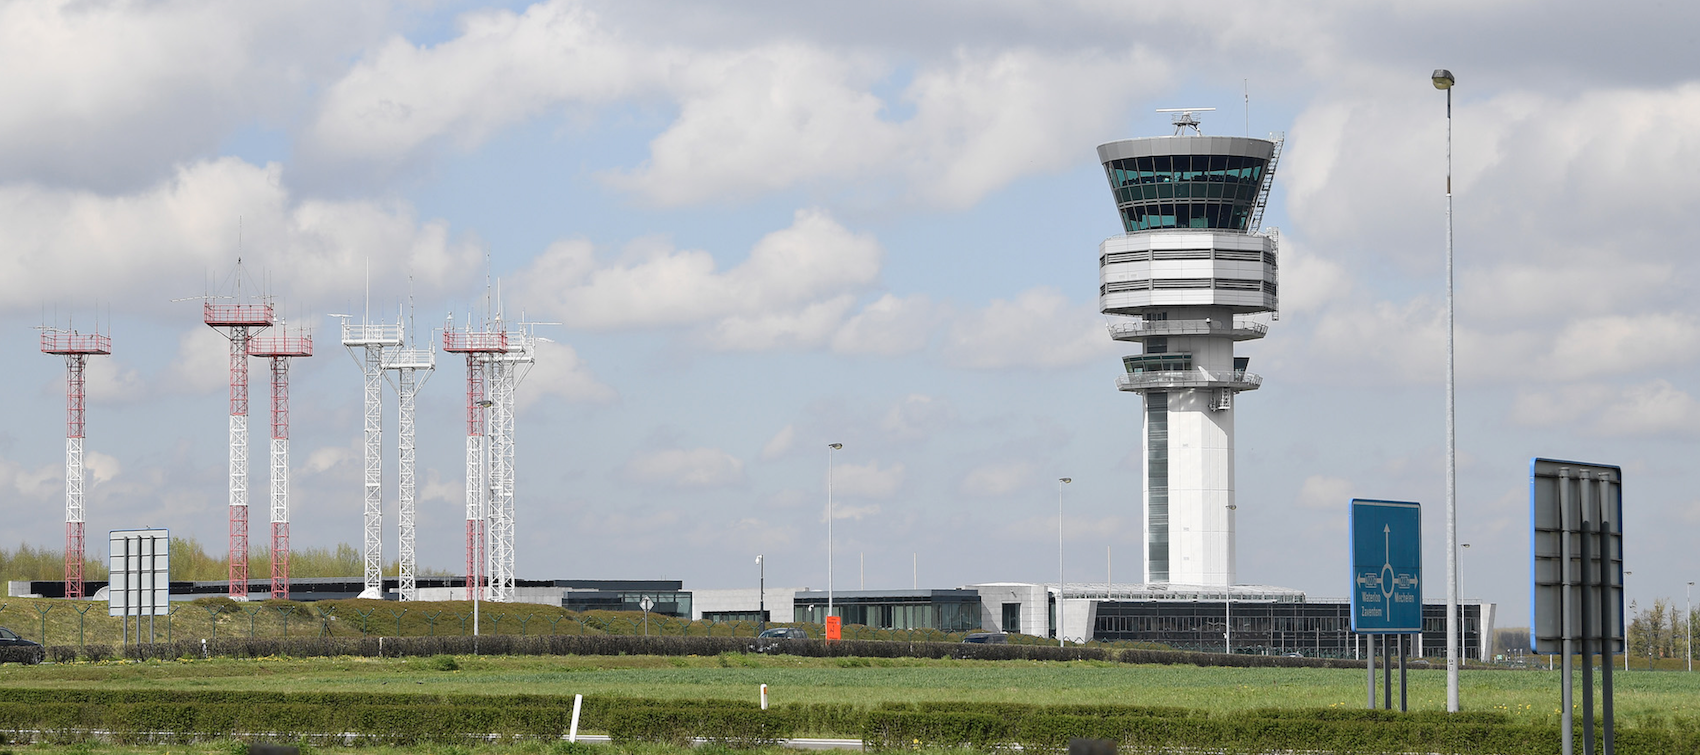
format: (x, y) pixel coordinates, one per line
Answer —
(9, 638)
(987, 638)
(785, 633)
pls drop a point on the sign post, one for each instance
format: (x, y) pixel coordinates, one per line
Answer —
(1387, 600)
(647, 603)
(140, 582)
(1576, 579)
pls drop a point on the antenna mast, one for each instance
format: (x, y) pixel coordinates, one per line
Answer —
(75, 348)
(238, 322)
(280, 347)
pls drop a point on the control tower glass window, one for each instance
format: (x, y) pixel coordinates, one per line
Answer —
(1185, 191)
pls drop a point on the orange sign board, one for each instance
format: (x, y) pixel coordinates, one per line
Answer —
(834, 628)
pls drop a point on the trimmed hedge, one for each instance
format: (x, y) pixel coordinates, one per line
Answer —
(135, 716)
(393, 647)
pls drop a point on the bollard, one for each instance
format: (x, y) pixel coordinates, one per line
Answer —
(203, 648)
(764, 697)
(572, 733)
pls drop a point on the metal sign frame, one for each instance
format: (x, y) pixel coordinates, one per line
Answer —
(1387, 565)
(1576, 581)
(140, 582)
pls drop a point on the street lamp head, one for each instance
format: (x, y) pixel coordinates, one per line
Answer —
(1442, 78)
(1065, 480)
(758, 560)
(835, 446)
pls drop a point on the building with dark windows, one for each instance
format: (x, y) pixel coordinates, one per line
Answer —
(1190, 277)
(945, 610)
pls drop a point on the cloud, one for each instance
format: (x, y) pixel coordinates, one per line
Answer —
(1325, 493)
(889, 326)
(779, 443)
(114, 94)
(867, 480)
(768, 115)
(203, 361)
(559, 371)
(917, 417)
(140, 250)
(794, 288)
(686, 468)
(1040, 328)
(998, 479)
(1655, 408)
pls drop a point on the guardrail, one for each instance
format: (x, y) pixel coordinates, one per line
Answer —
(1238, 380)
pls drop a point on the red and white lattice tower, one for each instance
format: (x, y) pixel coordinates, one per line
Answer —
(479, 346)
(238, 322)
(280, 347)
(76, 348)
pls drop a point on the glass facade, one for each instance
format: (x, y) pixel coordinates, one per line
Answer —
(1315, 629)
(944, 610)
(1185, 191)
(1157, 486)
(665, 602)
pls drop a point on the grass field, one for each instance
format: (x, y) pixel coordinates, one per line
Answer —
(1642, 698)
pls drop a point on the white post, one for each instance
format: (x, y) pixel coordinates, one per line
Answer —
(572, 733)
(830, 448)
(764, 697)
(1061, 481)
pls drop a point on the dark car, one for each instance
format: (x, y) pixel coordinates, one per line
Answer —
(987, 638)
(9, 638)
(784, 633)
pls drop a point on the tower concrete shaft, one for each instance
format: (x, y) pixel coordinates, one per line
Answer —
(1190, 275)
(75, 348)
(238, 322)
(279, 349)
(367, 342)
(412, 367)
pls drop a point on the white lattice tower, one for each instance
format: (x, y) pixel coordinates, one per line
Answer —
(366, 342)
(507, 370)
(477, 346)
(280, 349)
(238, 322)
(413, 366)
(75, 348)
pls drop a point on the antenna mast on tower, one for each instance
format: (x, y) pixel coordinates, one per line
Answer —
(280, 348)
(480, 345)
(366, 342)
(76, 348)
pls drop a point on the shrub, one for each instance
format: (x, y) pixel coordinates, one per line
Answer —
(444, 663)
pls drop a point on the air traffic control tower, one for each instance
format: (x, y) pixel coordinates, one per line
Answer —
(1190, 277)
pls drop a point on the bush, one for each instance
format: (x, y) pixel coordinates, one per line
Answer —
(444, 663)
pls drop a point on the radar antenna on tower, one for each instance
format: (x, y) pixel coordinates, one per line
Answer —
(1183, 119)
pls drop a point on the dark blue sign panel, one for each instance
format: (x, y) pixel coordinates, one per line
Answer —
(1387, 566)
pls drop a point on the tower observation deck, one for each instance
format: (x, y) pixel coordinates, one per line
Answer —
(1188, 277)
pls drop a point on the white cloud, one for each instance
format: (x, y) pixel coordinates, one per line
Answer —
(998, 479)
(203, 362)
(1325, 493)
(141, 250)
(101, 468)
(867, 480)
(794, 289)
(889, 326)
(1040, 328)
(779, 443)
(686, 468)
(559, 371)
(766, 116)
(113, 93)
(1654, 408)
(917, 417)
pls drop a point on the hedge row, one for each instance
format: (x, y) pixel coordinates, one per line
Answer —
(401, 719)
(302, 647)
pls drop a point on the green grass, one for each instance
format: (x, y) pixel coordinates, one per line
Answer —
(1642, 698)
(519, 748)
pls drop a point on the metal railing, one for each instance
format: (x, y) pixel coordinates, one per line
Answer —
(1148, 328)
(1238, 380)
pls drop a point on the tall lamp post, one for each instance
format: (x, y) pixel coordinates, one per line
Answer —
(1443, 79)
(761, 594)
(1463, 609)
(1688, 623)
(1061, 481)
(830, 449)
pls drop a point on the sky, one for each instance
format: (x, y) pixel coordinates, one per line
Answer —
(757, 228)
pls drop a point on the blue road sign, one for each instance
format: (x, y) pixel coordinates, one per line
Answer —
(1387, 566)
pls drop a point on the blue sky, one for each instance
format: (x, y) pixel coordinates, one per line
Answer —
(767, 227)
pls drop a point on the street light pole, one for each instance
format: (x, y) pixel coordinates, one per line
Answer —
(761, 594)
(1443, 79)
(1463, 609)
(1061, 481)
(830, 449)
(1688, 623)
